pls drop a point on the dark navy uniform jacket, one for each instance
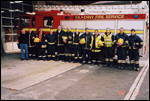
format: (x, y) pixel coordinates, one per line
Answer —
(135, 42)
(59, 39)
(50, 38)
(76, 37)
(31, 38)
(43, 42)
(69, 37)
(124, 36)
(88, 38)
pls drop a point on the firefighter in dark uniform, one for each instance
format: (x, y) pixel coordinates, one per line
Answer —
(135, 43)
(50, 45)
(77, 46)
(68, 39)
(96, 44)
(31, 44)
(60, 44)
(85, 41)
(121, 39)
(108, 44)
(41, 44)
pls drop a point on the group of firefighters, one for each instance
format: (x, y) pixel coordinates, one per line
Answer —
(84, 48)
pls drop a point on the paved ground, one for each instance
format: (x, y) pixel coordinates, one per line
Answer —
(81, 83)
(144, 90)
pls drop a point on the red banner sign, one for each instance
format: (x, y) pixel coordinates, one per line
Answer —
(111, 16)
(88, 17)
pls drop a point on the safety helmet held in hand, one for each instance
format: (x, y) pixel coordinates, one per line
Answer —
(120, 40)
(82, 40)
(100, 42)
(64, 37)
(36, 39)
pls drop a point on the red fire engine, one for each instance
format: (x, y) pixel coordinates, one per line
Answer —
(53, 18)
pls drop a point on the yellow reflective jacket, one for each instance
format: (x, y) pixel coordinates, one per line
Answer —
(96, 41)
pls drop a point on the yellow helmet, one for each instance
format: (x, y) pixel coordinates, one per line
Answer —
(100, 42)
(36, 39)
(64, 37)
(120, 40)
(82, 40)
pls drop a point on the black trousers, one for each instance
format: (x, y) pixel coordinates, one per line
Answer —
(51, 51)
(77, 50)
(60, 50)
(121, 52)
(134, 57)
(96, 56)
(68, 51)
(108, 55)
(88, 52)
(69, 48)
(32, 51)
(41, 51)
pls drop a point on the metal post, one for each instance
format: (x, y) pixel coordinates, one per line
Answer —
(116, 26)
(11, 27)
(2, 48)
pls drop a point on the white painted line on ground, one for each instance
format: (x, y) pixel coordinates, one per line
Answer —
(128, 95)
(133, 97)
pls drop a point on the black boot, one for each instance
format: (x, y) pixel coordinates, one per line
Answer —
(92, 64)
(39, 58)
(49, 58)
(137, 69)
(57, 58)
(99, 65)
(107, 64)
(83, 62)
(75, 60)
(43, 58)
(121, 68)
(34, 57)
(63, 57)
(66, 59)
(69, 59)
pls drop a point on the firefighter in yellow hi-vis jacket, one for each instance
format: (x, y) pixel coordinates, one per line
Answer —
(108, 41)
(96, 44)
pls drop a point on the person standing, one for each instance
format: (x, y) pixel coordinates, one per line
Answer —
(121, 39)
(77, 46)
(135, 43)
(60, 44)
(23, 41)
(68, 39)
(31, 44)
(50, 45)
(96, 44)
(85, 41)
(108, 44)
(41, 44)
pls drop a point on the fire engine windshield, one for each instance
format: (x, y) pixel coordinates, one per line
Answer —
(25, 22)
(48, 22)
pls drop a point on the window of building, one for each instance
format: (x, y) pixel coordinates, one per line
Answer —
(48, 22)
(25, 22)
